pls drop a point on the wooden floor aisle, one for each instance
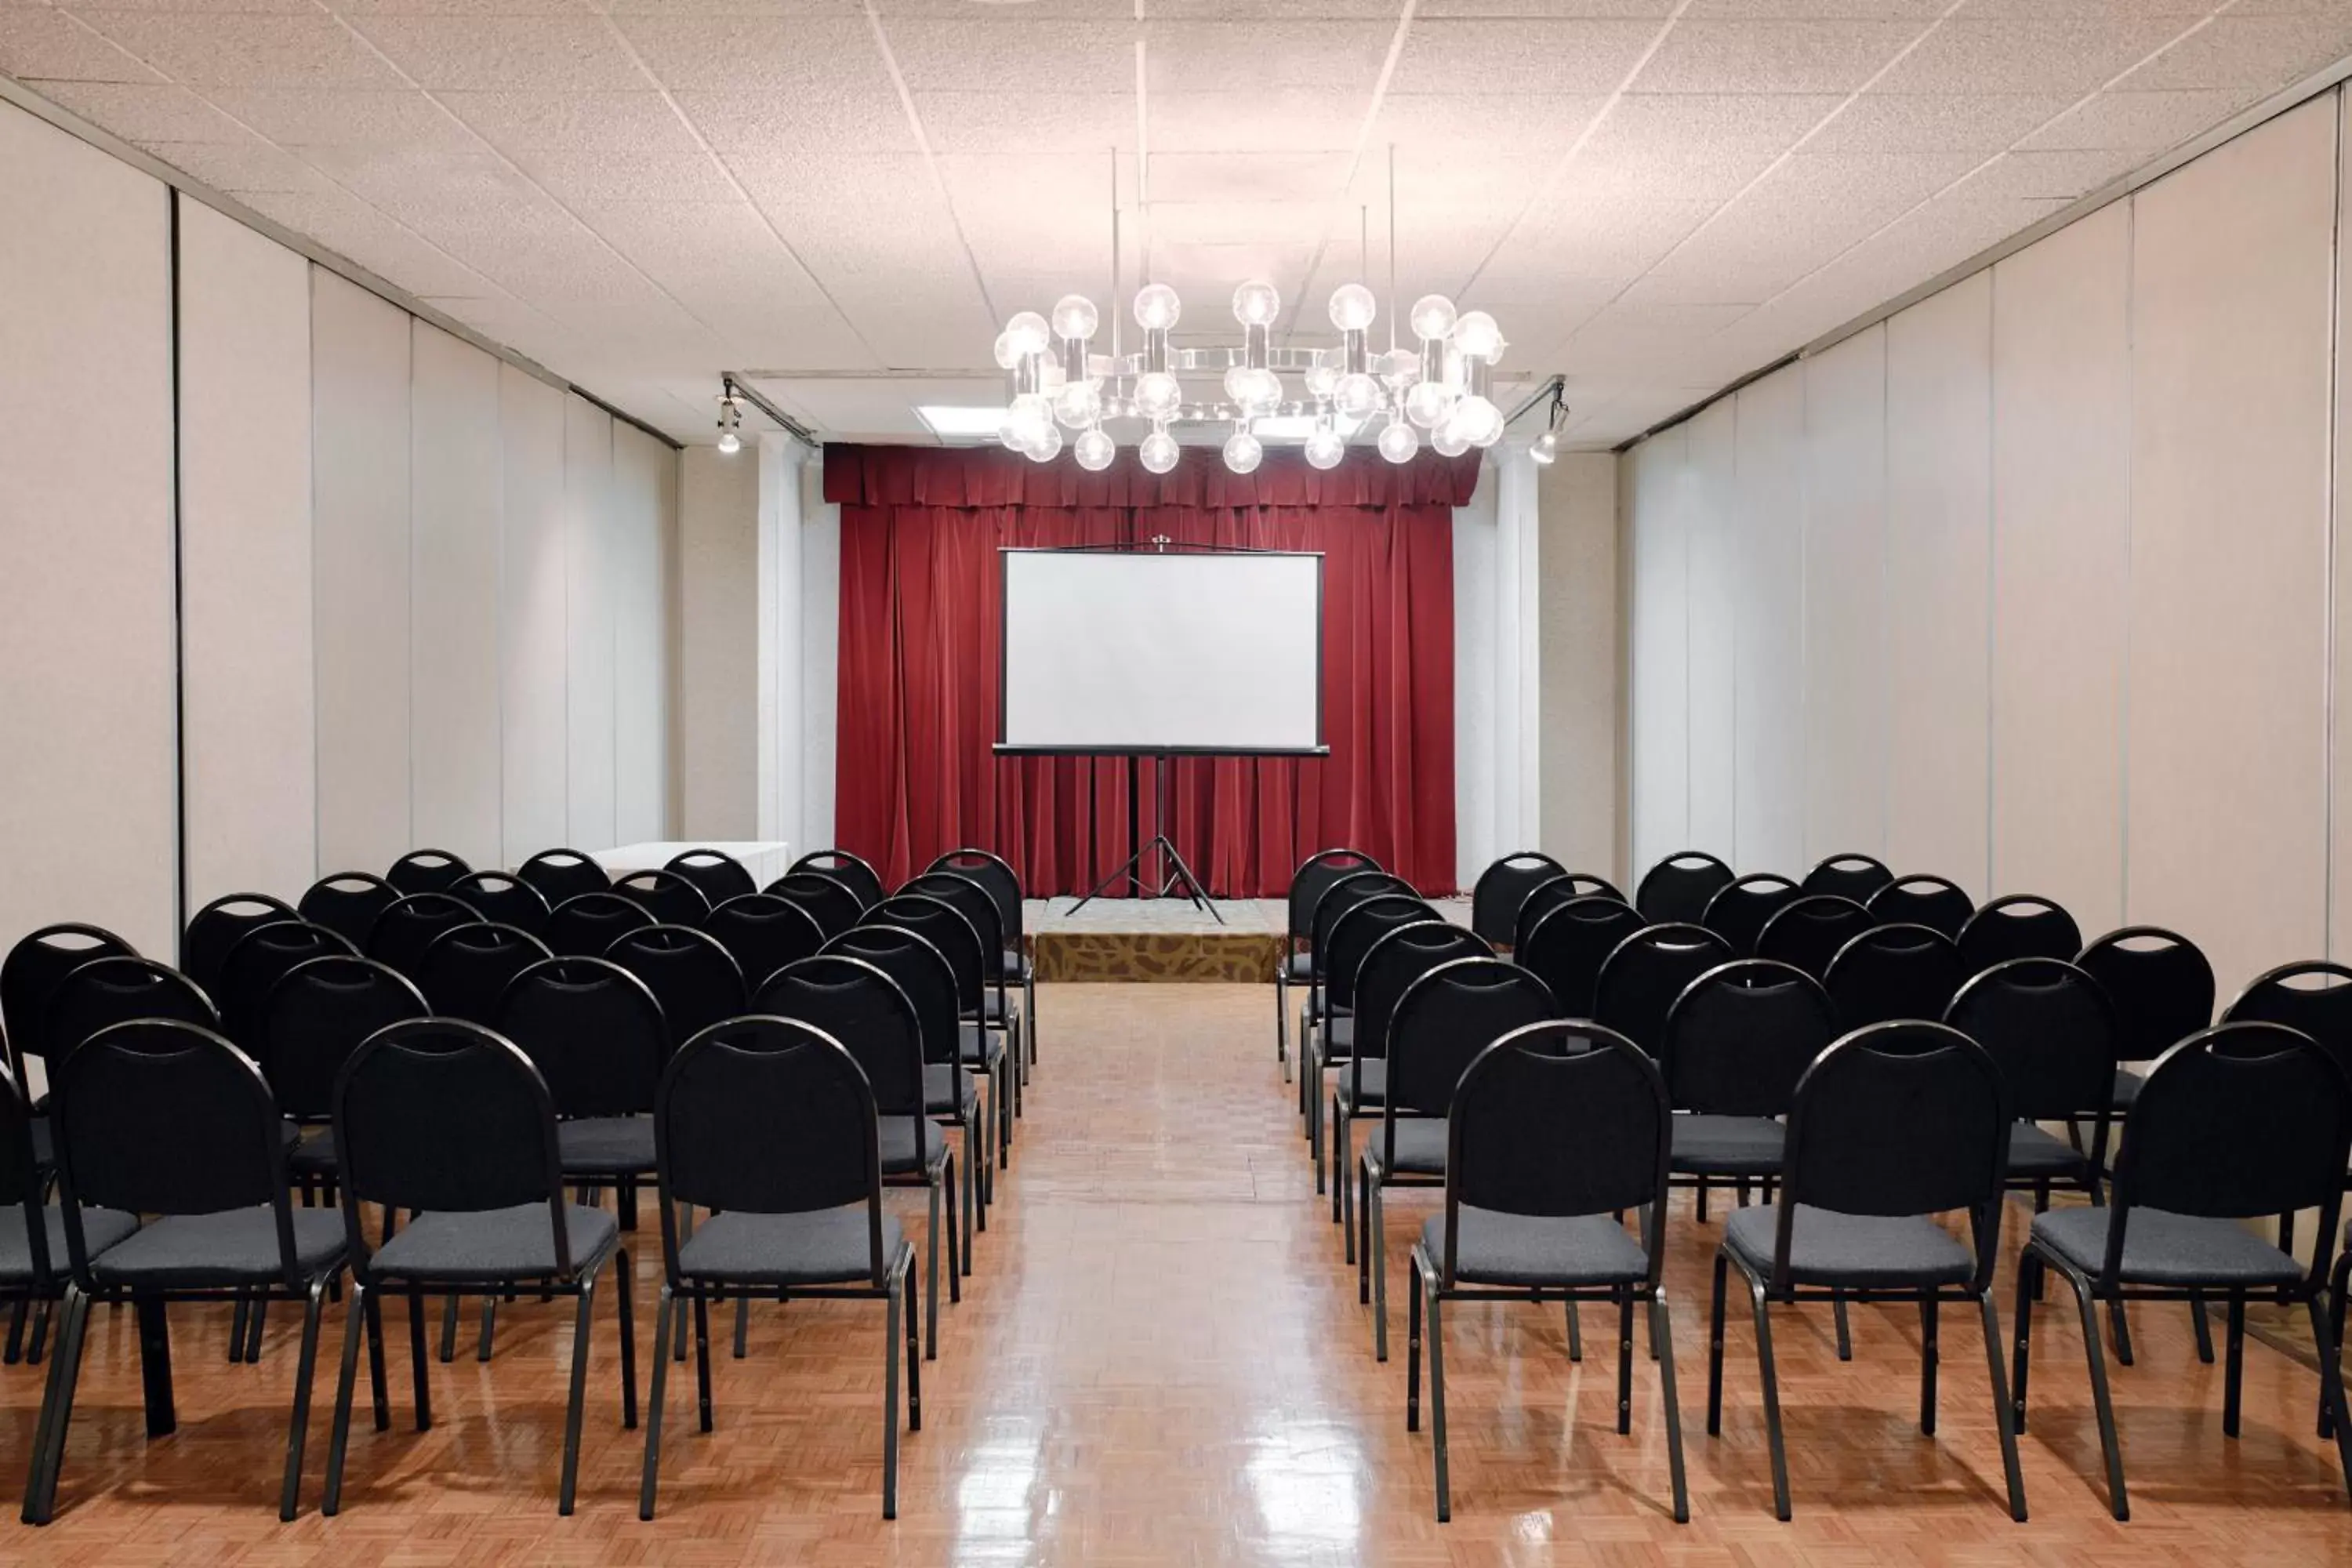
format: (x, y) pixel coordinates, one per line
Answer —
(1161, 1359)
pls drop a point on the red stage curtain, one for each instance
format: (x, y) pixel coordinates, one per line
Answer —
(919, 594)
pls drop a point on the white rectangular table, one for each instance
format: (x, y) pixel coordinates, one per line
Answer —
(765, 859)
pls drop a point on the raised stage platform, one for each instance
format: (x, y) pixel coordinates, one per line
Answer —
(1164, 939)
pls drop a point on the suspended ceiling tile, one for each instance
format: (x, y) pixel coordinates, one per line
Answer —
(1241, 121)
(1010, 53)
(141, 111)
(401, 118)
(614, 176)
(1468, 58)
(248, 50)
(2262, 53)
(240, 166)
(844, 122)
(1653, 146)
(1491, 124)
(1261, 176)
(350, 229)
(2055, 55)
(1937, 123)
(958, 121)
(1334, 56)
(758, 54)
(521, 54)
(573, 121)
(1751, 56)
(2140, 122)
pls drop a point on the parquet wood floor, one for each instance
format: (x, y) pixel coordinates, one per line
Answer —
(1161, 1359)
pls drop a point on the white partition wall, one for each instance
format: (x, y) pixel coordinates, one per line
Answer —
(1845, 598)
(589, 558)
(1712, 634)
(1768, 701)
(1659, 684)
(533, 641)
(643, 525)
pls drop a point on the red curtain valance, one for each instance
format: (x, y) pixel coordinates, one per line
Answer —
(991, 476)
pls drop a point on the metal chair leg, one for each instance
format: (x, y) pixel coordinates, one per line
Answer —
(931, 1281)
(2104, 1406)
(1282, 1013)
(289, 1497)
(568, 1487)
(2120, 1326)
(423, 1393)
(1661, 1338)
(156, 1365)
(891, 1406)
(1844, 1331)
(2203, 1330)
(1625, 1361)
(2029, 1288)
(2233, 1376)
(702, 1359)
(742, 1325)
(956, 1254)
(17, 1315)
(1575, 1333)
(1772, 1381)
(914, 1353)
(339, 1433)
(56, 1410)
(665, 1305)
(2001, 1410)
(1374, 1218)
(1928, 1315)
(489, 1329)
(1413, 1347)
(449, 1329)
(2328, 1338)
(1437, 1399)
(1714, 1351)
(627, 1289)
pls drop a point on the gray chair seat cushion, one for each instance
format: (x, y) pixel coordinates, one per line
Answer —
(1363, 1083)
(983, 1046)
(2164, 1248)
(100, 1228)
(2035, 1152)
(1300, 967)
(1537, 1249)
(897, 1137)
(947, 1090)
(1339, 1038)
(235, 1247)
(605, 1145)
(996, 1008)
(2127, 1084)
(1830, 1248)
(1017, 964)
(314, 1156)
(1420, 1147)
(516, 1243)
(1710, 1145)
(825, 1247)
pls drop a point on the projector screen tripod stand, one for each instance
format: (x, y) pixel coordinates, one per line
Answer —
(1175, 875)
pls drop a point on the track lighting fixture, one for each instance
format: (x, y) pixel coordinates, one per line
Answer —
(730, 423)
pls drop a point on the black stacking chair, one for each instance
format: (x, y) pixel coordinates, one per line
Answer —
(1930, 901)
(716, 875)
(503, 900)
(31, 971)
(1643, 974)
(771, 1125)
(1808, 931)
(1854, 877)
(214, 929)
(854, 1003)
(2313, 996)
(763, 933)
(846, 869)
(1548, 895)
(1676, 889)
(32, 1234)
(1853, 1218)
(1740, 907)
(164, 1118)
(348, 903)
(1892, 972)
(833, 903)
(1341, 953)
(426, 871)
(262, 957)
(464, 970)
(2234, 1123)
(1736, 1042)
(2162, 987)
(1555, 1129)
(108, 991)
(2050, 1029)
(404, 929)
(447, 1121)
(597, 1036)
(693, 978)
(1004, 884)
(972, 900)
(1503, 887)
(669, 897)
(1339, 896)
(310, 1023)
(1314, 877)
(561, 874)
(1443, 1020)
(1566, 948)
(946, 928)
(586, 924)
(2019, 926)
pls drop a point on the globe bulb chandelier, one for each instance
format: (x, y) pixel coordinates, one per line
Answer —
(1443, 384)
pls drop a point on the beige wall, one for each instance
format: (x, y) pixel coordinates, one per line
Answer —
(1579, 632)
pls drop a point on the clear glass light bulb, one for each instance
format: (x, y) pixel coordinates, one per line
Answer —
(1044, 449)
(1321, 380)
(1544, 449)
(1158, 452)
(1156, 395)
(1075, 405)
(1006, 355)
(1027, 333)
(1476, 333)
(1433, 316)
(1094, 451)
(1264, 391)
(1399, 442)
(1157, 307)
(1243, 452)
(1449, 440)
(1031, 415)
(1073, 317)
(1357, 395)
(1427, 404)
(1352, 307)
(1010, 436)
(730, 443)
(1323, 447)
(1256, 303)
(1478, 420)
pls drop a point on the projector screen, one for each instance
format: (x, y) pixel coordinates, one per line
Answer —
(1193, 651)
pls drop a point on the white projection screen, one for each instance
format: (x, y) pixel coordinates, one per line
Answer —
(1190, 651)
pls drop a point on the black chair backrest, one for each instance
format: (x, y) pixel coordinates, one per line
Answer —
(1400, 955)
(2161, 985)
(426, 871)
(1340, 953)
(1566, 948)
(1676, 889)
(586, 924)
(1314, 877)
(1550, 894)
(404, 930)
(862, 1007)
(2234, 1123)
(923, 975)
(315, 1018)
(948, 930)
(503, 900)
(348, 903)
(975, 903)
(1643, 974)
(2021, 925)
(108, 991)
(2050, 1029)
(1808, 932)
(846, 869)
(716, 875)
(834, 904)
(669, 897)
(994, 873)
(763, 933)
(1906, 1117)
(1854, 877)
(1337, 897)
(1446, 1018)
(1922, 901)
(1558, 1120)
(591, 1030)
(1892, 972)
(20, 1177)
(464, 970)
(694, 979)
(214, 930)
(561, 874)
(767, 1116)
(1740, 907)
(32, 970)
(262, 957)
(1741, 1035)
(1503, 887)
(2313, 996)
